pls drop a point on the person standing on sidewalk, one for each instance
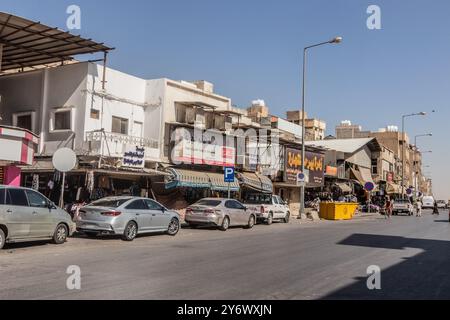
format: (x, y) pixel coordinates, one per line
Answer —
(418, 206)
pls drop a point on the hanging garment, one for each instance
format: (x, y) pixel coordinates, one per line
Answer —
(35, 184)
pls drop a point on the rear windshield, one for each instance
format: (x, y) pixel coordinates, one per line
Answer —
(109, 203)
(209, 203)
(258, 199)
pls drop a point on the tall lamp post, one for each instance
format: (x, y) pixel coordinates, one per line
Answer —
(403, 145)
(335, 40)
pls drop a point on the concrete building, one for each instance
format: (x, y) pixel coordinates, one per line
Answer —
(314, 128)
(347, 130)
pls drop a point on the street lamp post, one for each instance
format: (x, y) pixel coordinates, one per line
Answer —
(403, 145)
(416, 150)
(335, 40)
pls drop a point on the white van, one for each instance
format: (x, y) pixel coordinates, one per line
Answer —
(428, 202)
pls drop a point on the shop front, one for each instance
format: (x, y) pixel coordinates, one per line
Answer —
(17, 149)
(85, 184)
(315, 177)
(185, 186)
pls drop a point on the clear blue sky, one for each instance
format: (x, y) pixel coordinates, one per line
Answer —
(252, 49)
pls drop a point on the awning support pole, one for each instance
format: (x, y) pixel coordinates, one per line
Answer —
(105, 59)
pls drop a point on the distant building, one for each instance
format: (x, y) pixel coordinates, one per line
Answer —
(347, 130)
(314, 128)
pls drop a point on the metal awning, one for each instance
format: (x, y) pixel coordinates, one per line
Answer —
(218, 184)
(256, 182)
(186, 178)
(393, 188)
(345, 188)
(28, 44)
(198, 179)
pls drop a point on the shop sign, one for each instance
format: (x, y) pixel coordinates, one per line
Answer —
(390, 177)
(189, 152)
(314, 164)
(134, 157)
(331, 171)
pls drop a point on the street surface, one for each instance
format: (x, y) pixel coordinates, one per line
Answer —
(320, 260)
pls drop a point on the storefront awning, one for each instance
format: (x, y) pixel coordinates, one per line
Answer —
(187, 178)
(218, 183)
(345, 188)
(363, 175)
(393, 188)
(181, 178)
(256, 182)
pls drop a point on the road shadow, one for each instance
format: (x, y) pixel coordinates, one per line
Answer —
(25, 245)
(423, 276)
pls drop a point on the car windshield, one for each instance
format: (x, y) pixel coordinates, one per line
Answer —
(209, 203)
(258, 199)
(109, 203)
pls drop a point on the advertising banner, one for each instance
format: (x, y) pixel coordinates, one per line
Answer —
(314, 163)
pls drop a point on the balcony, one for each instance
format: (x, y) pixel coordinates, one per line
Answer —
(116, 145)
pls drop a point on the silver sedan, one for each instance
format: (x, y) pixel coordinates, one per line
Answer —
(127, 216)
(222, 213)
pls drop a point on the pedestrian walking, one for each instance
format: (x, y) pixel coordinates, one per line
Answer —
(388, 208)
(436, 208)
(418, 206)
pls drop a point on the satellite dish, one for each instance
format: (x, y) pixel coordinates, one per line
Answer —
(64, 160)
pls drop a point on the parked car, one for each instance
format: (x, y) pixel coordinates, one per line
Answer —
(126, 216)
(26, 215)
(428, 202)
(402, 206)
(222, 213)
(268, 208)
(441, 204)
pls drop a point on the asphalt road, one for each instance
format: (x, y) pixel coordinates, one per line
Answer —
(324, 260)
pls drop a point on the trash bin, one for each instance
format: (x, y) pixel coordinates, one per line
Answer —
(337, 210)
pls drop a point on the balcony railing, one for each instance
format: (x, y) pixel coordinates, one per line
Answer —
(109, 144)
(100, 135)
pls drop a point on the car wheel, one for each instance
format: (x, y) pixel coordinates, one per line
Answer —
(174, 227)
(60, 235)
(251, 222)
(225, 224)
(269, 220)
(287, 218)
(2, 239)
(130, 232)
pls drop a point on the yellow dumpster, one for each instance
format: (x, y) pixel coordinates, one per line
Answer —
(337, 210)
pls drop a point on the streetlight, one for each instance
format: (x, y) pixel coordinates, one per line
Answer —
(335, 40)
(416, 149)
(403, 145)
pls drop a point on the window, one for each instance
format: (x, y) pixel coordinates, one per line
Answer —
(109, 203)
(234, 205)
(152, 205)
(62, 120)
(36, 200)
(95, 114)
(24, 120)
(209, 203)
(119, 125)
(137, 205)
(275, 200)
(17, 197)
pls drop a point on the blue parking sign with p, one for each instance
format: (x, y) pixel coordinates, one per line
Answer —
(229, 174)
